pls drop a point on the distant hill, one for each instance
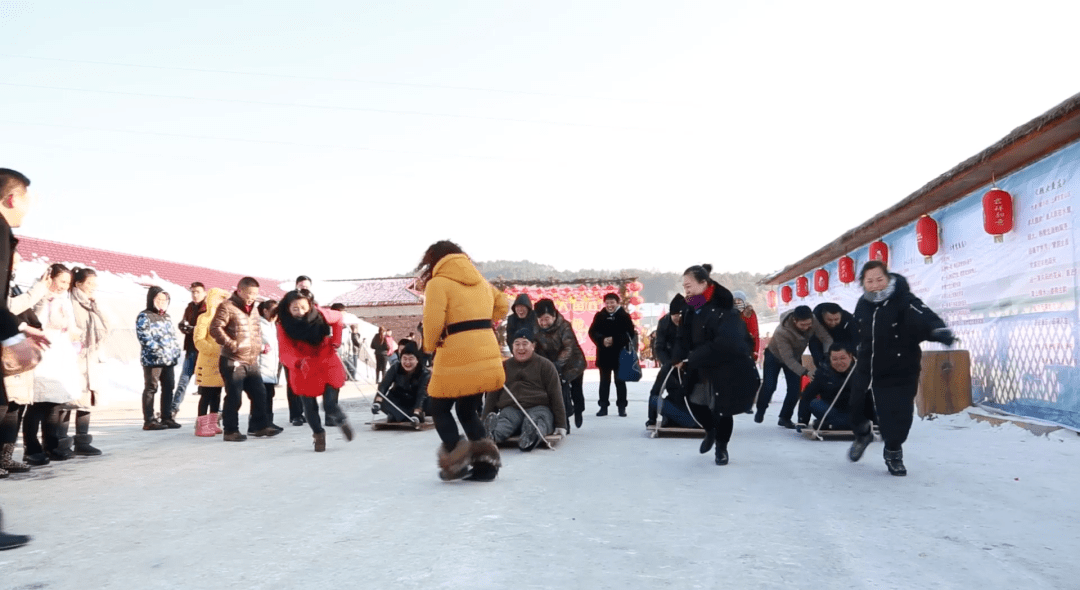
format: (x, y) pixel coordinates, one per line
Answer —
(658, 287)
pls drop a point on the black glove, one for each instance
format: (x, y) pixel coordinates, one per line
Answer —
(944, 336)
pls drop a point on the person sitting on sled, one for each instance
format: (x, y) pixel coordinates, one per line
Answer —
(404, 387)
(831, 380)
(534, 382)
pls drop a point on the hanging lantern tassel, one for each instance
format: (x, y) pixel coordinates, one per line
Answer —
(927, 236)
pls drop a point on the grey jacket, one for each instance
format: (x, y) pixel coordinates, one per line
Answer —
(788, 344)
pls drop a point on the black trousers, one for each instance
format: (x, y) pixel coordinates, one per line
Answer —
(11, 415)
(723, 425)
(577, 394)
(240, 378)
(895, 409)
(43, 415)
(330, 406)
(468, 411)
(270, 388)
(209, 400)
(296, 406)
(605, 389)
(151, 377)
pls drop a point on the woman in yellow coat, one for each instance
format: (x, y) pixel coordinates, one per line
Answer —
(460, 311)
(207, 374)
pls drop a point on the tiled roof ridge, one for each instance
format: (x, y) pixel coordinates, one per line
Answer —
(151, 258)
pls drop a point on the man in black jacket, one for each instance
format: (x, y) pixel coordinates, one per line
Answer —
(191, 354)
(667, 331)
(840, 324)
(831, 380)
(611, 331)
(14, 204)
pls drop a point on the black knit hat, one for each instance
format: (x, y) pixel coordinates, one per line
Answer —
(524, 333)
(409, 347)
(678, 302)
(545, 306)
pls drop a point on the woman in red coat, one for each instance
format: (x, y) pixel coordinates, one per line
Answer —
(308, 339)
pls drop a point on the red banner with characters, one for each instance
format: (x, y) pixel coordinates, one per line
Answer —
(578, 304)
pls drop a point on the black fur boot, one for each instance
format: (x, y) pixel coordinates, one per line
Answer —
(894, 460)
(707, 444)
(721, 455)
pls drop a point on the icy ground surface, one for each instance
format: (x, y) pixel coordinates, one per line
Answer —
(983, 507)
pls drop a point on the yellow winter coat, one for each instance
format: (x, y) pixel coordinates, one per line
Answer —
(469, 362)
(207, 373)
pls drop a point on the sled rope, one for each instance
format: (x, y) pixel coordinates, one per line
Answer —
(529, 418)
(411, 418)
(821, 422)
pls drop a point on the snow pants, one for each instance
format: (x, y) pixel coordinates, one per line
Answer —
(894, 405)
(512, 421)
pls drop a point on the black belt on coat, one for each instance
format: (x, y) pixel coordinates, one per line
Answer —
(465, 326)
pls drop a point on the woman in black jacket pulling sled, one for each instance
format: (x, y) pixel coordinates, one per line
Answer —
(892, 323)
(715, 350)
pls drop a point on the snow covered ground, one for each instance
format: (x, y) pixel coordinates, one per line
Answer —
(983, 507)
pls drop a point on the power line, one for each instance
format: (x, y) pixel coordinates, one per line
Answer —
(352, 80)
(244, 140)
(319, 107)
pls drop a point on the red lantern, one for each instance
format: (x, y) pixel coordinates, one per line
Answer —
(637, 300)
(821, 280)
(802, 287)
(926, 236)
(635, 316)
(785, 293)
(846, 269)
(635, 286)
(879, 251)
(611, 288)
(997, 213)
(770, 299)
(582, 288)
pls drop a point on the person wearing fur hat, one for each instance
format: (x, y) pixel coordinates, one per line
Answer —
(611, 331)
(405, 386)
(160, 353)
(460, 309)
(533, 382)
(557, 343)
(309, 337)
(713, 349)
(667, 331)
(749, 317)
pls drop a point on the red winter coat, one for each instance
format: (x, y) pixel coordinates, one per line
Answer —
(312, 368)
(752, 327)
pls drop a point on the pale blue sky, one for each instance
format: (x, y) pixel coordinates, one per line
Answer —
(579, 134)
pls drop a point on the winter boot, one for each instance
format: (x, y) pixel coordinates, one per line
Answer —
(622, 412)
(8, 541)
(894, 460)
(455, 464)
(786, 423)
(858, 446)
(320, 441)
(153, 425)
(759, 416)
(602, 412)
(485, 461)
(204, 426)
(216, 422)
(530, 437)
(721, 455)
(707, 444)
(578, 420)
(490, 421)
(8, 463)
(346, 428)
(84, 448)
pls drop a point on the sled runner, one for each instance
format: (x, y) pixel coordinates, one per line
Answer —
(824, 434)
(427, 424)
(658, 431)
(552, 439)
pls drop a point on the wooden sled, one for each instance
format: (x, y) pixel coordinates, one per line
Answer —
(836, 434)
(427, 424)
(674, 432)
(554, 439)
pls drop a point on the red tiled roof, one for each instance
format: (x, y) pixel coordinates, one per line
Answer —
(380, 292)
(118, 263)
